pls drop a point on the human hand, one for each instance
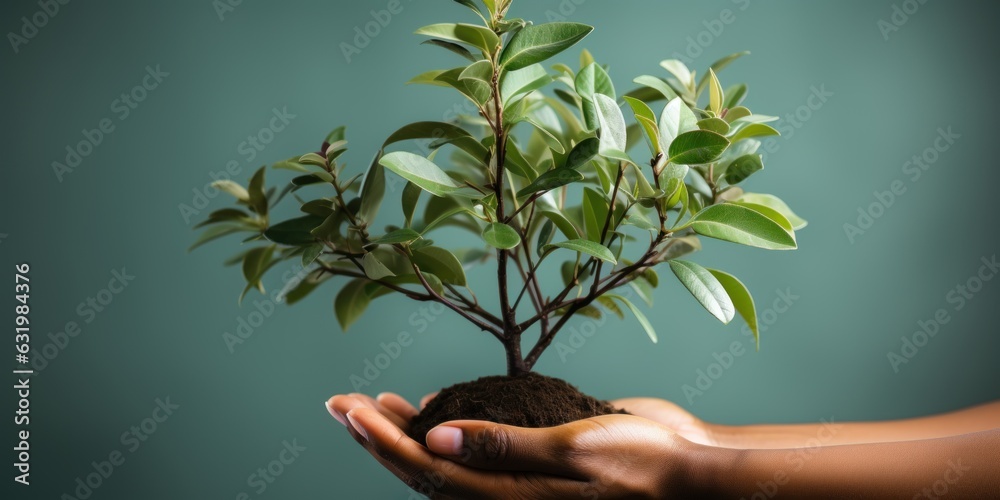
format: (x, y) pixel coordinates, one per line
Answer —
(612, 456)
(672, 416)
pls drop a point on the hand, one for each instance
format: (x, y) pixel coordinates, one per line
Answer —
(670, 415)
(613, 456)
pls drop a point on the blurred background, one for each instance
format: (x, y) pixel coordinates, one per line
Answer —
(106, 237)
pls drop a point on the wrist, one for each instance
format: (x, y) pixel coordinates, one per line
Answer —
(697, 470)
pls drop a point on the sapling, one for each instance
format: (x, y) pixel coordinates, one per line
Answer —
(550, 178)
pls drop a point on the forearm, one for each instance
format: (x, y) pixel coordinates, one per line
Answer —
(965, 466)
(829, 432)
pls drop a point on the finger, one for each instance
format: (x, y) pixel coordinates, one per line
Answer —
(410, 462)
(486, 445)
(370, 402)
(398, 405)
(439, 478)
(427, 399)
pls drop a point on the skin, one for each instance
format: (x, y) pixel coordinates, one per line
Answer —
(662, 451)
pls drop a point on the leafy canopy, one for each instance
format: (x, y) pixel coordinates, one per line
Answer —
(549, 176)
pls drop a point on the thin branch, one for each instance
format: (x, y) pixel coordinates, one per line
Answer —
(450, 305)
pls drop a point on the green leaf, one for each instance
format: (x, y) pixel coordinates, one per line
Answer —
(770, 213)
(735, 95)
(255, 262)
(216, 232)
(224, 215)
(675, 120)
(295, 232)
(477, 36)
(545, 235)
(705, 288)
(481, 74)
(776, 204)
(613, 132)
(351, 303)
(523, 81)
(565, 226)
(593, 79)
(550, 138)
(429, 78)
(742, 300)
(372, 190)
(610, 304)
(311, 253)
(502, 236)
(296, 290)
(643, 321)
(551, 180)
(539, 42)
(441, 263)
(657, 84)
(583, 152)
(682, 246)
(473, 89)
(717, 125)
(453, 47)
(736, 113)
(595, 213)
(238, 191)
(375, 269)
(420, 171)
(697, 147)
(409, 199)
(718, 66)
(647, 120)
(399, 236)
(586, 246)
(754, 130)
(716, 98)
(739, 224)
(743, 167)
(680, 71)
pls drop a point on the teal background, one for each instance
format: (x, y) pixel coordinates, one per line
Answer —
(825, 357)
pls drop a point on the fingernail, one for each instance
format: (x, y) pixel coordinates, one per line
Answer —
(335, 414)
(357, 426)
(445, 440)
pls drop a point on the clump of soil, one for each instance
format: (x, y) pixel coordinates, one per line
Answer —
(530, 400)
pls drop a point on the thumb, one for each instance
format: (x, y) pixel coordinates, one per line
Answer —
(487, 445)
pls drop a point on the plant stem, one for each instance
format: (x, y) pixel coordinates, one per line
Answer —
(511, 336)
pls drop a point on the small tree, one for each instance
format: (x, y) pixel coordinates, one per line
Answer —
(546, 181)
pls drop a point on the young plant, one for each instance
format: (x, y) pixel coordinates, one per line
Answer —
(545, 174)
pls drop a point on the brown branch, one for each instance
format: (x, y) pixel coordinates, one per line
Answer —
(450, 305)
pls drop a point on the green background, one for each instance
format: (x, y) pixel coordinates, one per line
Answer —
(824, 357)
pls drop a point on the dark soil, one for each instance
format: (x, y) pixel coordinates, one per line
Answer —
(530, 400)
